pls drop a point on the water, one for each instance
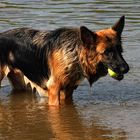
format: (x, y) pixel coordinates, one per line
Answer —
(110, 110)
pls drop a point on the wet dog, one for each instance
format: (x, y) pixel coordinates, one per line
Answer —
(54, 62)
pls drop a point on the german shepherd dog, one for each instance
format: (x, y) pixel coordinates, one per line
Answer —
(54, 62)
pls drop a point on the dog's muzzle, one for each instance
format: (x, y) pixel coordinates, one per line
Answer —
(119, 71)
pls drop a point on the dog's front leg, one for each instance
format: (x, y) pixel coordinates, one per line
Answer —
(54, 95)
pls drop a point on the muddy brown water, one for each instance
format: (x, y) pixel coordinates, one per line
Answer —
(109, 110)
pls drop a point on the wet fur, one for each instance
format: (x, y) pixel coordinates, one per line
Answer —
(54, 62)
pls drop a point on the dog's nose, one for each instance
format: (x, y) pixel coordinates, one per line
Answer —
(124, 69)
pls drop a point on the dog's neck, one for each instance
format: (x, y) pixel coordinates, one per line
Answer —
(89, 64)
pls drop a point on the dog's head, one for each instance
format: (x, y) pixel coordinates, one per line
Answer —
(107, 48)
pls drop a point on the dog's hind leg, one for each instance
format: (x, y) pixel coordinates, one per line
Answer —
(16, 79)
(4, 70)
(20, 82)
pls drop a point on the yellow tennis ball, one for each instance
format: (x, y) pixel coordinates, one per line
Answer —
(112, 73)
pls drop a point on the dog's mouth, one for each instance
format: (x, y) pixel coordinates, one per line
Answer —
(116, 75)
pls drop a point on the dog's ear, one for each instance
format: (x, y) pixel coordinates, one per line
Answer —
(88, 37)
(118, 27)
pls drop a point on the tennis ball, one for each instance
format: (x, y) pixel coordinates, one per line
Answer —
(112, 73)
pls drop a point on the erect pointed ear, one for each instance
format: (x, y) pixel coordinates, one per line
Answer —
(118, 27)
(88, 37)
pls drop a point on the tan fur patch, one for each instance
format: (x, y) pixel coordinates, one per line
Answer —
(11, 57)
(34, 86)
(4, 71)
(106, 38)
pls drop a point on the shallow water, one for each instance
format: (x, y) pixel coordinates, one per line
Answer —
(110, 110)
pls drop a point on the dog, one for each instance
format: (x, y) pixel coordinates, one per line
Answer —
(55, 62)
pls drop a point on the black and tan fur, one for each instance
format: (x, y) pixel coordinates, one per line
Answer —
(54, 62)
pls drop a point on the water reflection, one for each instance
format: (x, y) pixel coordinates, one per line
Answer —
(22, 119)
(25, 117)
(68, 124)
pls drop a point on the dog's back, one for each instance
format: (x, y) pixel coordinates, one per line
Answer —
(31, 51)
